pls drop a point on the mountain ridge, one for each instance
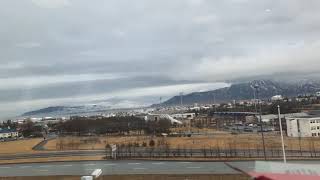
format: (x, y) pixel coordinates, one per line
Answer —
(245, 91)
(237, 91)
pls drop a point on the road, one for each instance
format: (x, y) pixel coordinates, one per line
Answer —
(115, 167)
(127, 167)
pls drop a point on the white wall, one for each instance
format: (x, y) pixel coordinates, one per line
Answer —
(292, 127)
(7, 135)
(308, 127)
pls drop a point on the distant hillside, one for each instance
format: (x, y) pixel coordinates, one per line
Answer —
(65, 110)
(103, 106)
(242, 91)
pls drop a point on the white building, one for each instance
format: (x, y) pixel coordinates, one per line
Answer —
(277, 98)
(308, 126)
(196, 108)
(318, 94)
(157, 117)
(8, 133)
(272, 117)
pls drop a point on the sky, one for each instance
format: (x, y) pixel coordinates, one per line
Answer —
(67, 52)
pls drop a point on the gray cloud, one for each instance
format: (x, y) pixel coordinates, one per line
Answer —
(62, 89)
(149, 43)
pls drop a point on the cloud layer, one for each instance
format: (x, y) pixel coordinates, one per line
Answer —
(62, 50)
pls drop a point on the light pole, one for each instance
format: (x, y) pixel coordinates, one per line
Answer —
(261, 127)
(280, 124)
(300, 143)
(299, 132)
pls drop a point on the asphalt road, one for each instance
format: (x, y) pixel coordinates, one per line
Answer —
(115, 167)
(128, 167)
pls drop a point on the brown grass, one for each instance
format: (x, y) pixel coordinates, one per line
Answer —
(198, 130)
(223, 141)
(89, 143)
(19, 146)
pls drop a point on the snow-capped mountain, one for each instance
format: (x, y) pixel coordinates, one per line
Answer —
(245, 91)
(102, 107)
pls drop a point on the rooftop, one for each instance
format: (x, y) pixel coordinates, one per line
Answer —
(7, 130)
(308, 116)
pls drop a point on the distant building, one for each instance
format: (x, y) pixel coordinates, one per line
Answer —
(250, 119)
(204, 121)
(277, 98)
(274, 117)
(8, 133)
(205, 107)
(307, 126)
(184, 116)
(196, 108)
(51, 120)
(157, 117)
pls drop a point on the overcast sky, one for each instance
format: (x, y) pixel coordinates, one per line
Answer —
(60, 52)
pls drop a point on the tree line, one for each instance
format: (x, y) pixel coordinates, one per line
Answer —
(113, 125)
(272, 108)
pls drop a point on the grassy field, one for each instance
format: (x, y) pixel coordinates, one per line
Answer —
(223, 141)
(19, 146)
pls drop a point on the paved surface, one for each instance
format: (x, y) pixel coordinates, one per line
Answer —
(128, 167)
(40, 146)
(115, 167)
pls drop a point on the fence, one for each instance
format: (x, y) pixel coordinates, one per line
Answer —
(139, 152)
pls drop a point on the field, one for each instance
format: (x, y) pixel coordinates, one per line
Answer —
(19, 146)
(221, 140)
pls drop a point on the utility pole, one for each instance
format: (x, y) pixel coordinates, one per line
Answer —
(283, 150)
(261, 126)
(299, 132)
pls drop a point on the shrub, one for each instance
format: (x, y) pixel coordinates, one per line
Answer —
(144, 144)
(152, 143)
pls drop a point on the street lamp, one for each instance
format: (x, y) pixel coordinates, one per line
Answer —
(299, 133)
(283, 151)
(261, 127)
